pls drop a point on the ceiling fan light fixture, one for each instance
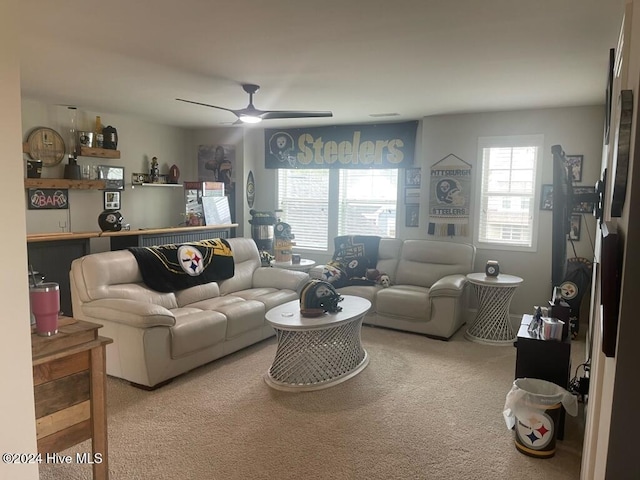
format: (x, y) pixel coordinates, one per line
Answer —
(249, 119)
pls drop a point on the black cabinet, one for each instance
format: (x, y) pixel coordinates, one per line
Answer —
(53, 259)
(544, 359)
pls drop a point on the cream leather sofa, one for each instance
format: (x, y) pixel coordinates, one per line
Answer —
(157, 336)
(427, 293)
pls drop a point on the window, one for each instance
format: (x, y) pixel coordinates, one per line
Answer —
(367, 202)
(509, 172)
(320, 204)
(303, 196)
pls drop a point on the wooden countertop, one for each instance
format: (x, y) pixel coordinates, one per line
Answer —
(47, 237)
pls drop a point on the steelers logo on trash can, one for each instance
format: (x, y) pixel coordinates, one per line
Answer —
(190, 260)
(535, 430)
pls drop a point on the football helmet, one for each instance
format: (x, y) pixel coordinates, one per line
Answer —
(110, 221)
(318, 294)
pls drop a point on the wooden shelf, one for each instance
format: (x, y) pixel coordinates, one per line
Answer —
(86, 152)
(134, 185)
(99, 152)
(64, 183)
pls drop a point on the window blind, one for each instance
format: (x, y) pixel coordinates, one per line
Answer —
(363, 202)
(367, 202)
(507, 195)
(303, 196)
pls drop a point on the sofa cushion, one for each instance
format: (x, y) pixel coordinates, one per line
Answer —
(424, 262)
(388, 256)
(247, 260)
(408, 301)
(243, 317)
(197, 293)
(114, 275)
(196, 329)
(363, 291)
(270, 297)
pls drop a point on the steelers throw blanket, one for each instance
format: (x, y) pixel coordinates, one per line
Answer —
(167, 268)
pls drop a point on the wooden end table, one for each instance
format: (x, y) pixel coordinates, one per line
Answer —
(69, 384)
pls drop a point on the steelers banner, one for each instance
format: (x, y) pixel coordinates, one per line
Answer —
(449, 193)
(389, 145)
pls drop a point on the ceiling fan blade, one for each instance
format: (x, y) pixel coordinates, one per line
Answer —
(251, 114)
(274, 114)
(207, 105)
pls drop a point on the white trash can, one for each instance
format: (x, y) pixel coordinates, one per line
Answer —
(533, 407)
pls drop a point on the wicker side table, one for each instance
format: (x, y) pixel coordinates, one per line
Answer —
(492, 325)
(316, 353)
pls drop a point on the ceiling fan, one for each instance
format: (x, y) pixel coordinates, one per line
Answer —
(251, 114)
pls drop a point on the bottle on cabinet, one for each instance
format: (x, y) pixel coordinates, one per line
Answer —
(98, 138)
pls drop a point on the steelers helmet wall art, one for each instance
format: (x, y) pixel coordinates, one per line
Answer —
(318, 295)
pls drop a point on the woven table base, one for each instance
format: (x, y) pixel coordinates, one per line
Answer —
(318, 358)
(492, 324)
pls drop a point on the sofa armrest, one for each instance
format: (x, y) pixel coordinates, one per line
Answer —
(317, 272)
(129, 312)
(270, 277)
(449, 286)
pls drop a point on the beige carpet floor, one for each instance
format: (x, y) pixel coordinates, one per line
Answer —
(422, 409)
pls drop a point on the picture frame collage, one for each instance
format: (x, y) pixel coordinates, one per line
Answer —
(412, 184)
(575, 162)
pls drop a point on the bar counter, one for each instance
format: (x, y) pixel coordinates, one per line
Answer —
(43, 237)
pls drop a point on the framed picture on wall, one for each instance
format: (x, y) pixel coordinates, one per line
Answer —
(546, 198)
(576, 226)
(583, 207)
(111, 200)
(412, 215)
(412, 177)
(412, 196)
(575, 163)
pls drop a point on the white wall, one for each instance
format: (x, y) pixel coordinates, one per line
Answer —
(613, 417)
(578, 130)
(17, 413)
(225, 136)
(138, 142)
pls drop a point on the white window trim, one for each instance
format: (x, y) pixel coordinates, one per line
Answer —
(509, 141)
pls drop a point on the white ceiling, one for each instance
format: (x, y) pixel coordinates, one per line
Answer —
(353, 57)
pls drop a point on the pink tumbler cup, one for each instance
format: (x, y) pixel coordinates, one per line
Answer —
(45, 305)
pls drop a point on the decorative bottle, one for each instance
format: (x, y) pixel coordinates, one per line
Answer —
(97, 133)
(154, 173)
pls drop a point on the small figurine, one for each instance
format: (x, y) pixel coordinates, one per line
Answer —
(154, 173)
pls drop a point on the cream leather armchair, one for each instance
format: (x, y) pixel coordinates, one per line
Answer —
(428, 292)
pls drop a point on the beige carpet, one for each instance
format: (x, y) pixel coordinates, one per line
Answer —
(422, 409)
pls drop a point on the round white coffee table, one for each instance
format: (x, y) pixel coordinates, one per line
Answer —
(304, 266)
(316, 353)
(492, 325)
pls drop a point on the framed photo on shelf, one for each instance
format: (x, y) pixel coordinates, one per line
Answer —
(583, 207)
(575, 162)
(546, 198)
(412, 216)
(111, 200)
(412, 177)
(576, 226)
(113, 176)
